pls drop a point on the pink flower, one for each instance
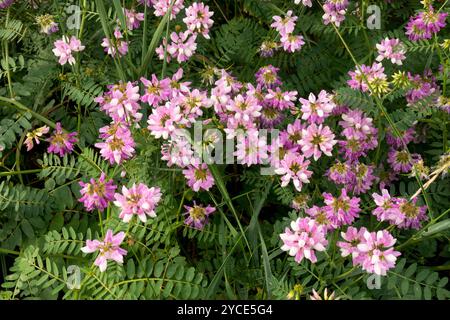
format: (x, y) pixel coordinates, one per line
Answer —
(339, 173)
(387, 207)
(121, 102)
(198, 18)
(116, 45)
(401, 160)
(191, 104)
(281, 100)
(35, 135)
(317, 109)
(251, 148)
(60, 142)
(197, 215)
(294, 167)
(284, 25)
(333, 14)
(378, 251)
(118, 145)
(342, 210)
(317, 139)
(413, 214)
(162, 6)
(133, 18)
(177, 151)
(183, 45)
(320, 215)
(291, 42)
(97, 193)
(244, 108)
(198, 176)
(391, 49)
(353, 237)
(139, 200)
(109, 249)
(306, 3)
(292, 135)
(64, 48)
(164, 120)
(267, 77)
(304, 238)
(156, 91)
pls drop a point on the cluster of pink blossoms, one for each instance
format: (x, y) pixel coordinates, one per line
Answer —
(133, 18)
(35, 135)
(303, 239)
(422, 86)
(64, 49)
(366, 76)
(61, 142)
(183, 44)
(285, 27)
(117, 45)
(391, 49)
(373, 251)
(399, 211)
(138, 200)
(162, 6)
(109, 249)
(335, 11)
(96, 194)
(425, 24)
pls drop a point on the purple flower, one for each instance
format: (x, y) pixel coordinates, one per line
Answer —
(341, 210)
(118, 143)
(198, 176)
(294, 167)
(109, 249)
(197, 215)
(60, 142)
(97, 193)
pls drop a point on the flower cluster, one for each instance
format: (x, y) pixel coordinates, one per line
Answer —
(373, 251)
(285, 27)
(61, 142)
(335, 11)
(425, 24)
(391, 49)
(304, 238)
(197, 215)
(398, 211)
(64, 49)
(96, 194)
(109, 249)
(115, 46)
(138, 200)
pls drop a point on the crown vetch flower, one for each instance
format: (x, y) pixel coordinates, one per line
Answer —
(292, 135)
(109, 249)
(304, 238)
(379, 254)
(341, 210)
(138, 200)
(47, 24)
(121, 102)
(317, 140)
(245, 108)
(164, 120)
(133, 18)
(156, 91)
(251, 148)
(281, 100)
(391, 49)
(353, 237)
(294, 167)
(401, 160)
(61, 143)
(412, 214)
(118, 145)
(5, 3)
(425, 24)
(321, 216)
(292, 42)
(306, 3)
(317, 109)
(285, 25)
(64, 49)
(197, 215)
(117, 45)
(267, 77)
(96, 194)
(198, 176)
(198, 18)
(35, 135)
(183, 45)
(177, 151)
